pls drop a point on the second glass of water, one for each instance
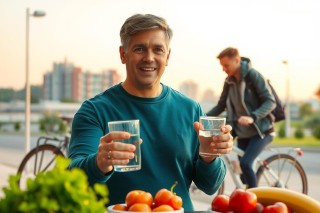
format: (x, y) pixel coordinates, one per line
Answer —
(209, 126)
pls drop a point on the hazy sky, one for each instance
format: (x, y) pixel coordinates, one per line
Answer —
(86, 32)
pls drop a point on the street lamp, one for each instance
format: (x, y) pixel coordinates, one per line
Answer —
(27, 86)
(288, 130)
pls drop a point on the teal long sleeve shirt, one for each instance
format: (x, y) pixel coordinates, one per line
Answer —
(170, 148)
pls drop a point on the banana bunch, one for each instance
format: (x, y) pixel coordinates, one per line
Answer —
(298, 202)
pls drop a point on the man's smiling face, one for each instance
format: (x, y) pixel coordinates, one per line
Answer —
(146, 58)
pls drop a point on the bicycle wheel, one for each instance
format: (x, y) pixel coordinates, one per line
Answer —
(39, 159)
(283, 171)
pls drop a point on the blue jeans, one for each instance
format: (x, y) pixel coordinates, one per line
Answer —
(252, 147)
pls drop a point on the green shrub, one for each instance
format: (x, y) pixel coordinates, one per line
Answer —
(17, 126)
(62, 127)
(316, 132)
(282, 131)
(42, 126)
(57, 190)
(50, 122)
(299, 132)
(313, 121)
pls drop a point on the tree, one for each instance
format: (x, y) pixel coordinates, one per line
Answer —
(50, 122)
(316, 132)
(314, 124)
(9, 94)
(6, 94)
(305, 110)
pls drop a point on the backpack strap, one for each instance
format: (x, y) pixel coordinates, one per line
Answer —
(250, 84)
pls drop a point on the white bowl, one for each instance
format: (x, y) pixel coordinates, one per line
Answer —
(110, 210)
(211, 211)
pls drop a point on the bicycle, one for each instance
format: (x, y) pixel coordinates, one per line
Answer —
(42, 157)
(281, 169)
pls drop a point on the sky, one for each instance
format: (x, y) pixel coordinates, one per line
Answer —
(86, 33)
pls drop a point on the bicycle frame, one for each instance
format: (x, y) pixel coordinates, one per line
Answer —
(257, 163)
(44, 154)
(62, 146)
(234, 175)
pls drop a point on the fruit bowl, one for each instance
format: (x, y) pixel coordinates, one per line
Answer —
(110, 210)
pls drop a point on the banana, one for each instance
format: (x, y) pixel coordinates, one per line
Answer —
(297, 202)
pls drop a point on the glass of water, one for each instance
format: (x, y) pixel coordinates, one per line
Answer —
(209, 127)
(132, 127)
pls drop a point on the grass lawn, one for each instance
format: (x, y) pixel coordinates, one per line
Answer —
(292, 141)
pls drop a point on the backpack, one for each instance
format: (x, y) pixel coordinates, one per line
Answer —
(278, 113)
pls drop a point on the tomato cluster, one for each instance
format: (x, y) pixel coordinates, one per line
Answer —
(245, 202)
(142, 201)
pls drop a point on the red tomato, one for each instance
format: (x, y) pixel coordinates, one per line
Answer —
(176, 202)
(138, 196)
(220, 203)
(140, 207)
(120, 207)
(163, 208)
(278, 207)
(164, 196)
(242, 201)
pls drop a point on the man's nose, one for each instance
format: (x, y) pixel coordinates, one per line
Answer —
(149, 56)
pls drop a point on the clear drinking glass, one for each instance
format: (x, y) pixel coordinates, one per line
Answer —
(209, 126)
(131, 126)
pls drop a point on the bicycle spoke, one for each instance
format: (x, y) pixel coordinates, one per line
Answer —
(50, 163)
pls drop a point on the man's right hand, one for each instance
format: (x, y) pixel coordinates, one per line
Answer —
(111, 152)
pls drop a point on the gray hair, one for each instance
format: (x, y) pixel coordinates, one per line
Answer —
(140, 22)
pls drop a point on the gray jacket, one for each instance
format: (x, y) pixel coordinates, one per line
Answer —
(256, 98)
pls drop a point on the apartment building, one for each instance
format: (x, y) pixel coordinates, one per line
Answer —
(68, 82)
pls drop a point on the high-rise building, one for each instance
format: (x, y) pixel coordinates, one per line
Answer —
(190, 89)
(68, 82)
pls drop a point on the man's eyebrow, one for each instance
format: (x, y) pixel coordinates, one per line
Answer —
(143, 45)
(139, 45)
(159, 45)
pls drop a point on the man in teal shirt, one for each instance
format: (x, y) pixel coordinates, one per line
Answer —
(168, 124)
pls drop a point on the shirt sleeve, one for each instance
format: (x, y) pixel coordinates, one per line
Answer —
(209, 176)
(85, 139)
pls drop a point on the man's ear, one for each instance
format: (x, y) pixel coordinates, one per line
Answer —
(122, 55)
(238, 59)
(168, 57)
